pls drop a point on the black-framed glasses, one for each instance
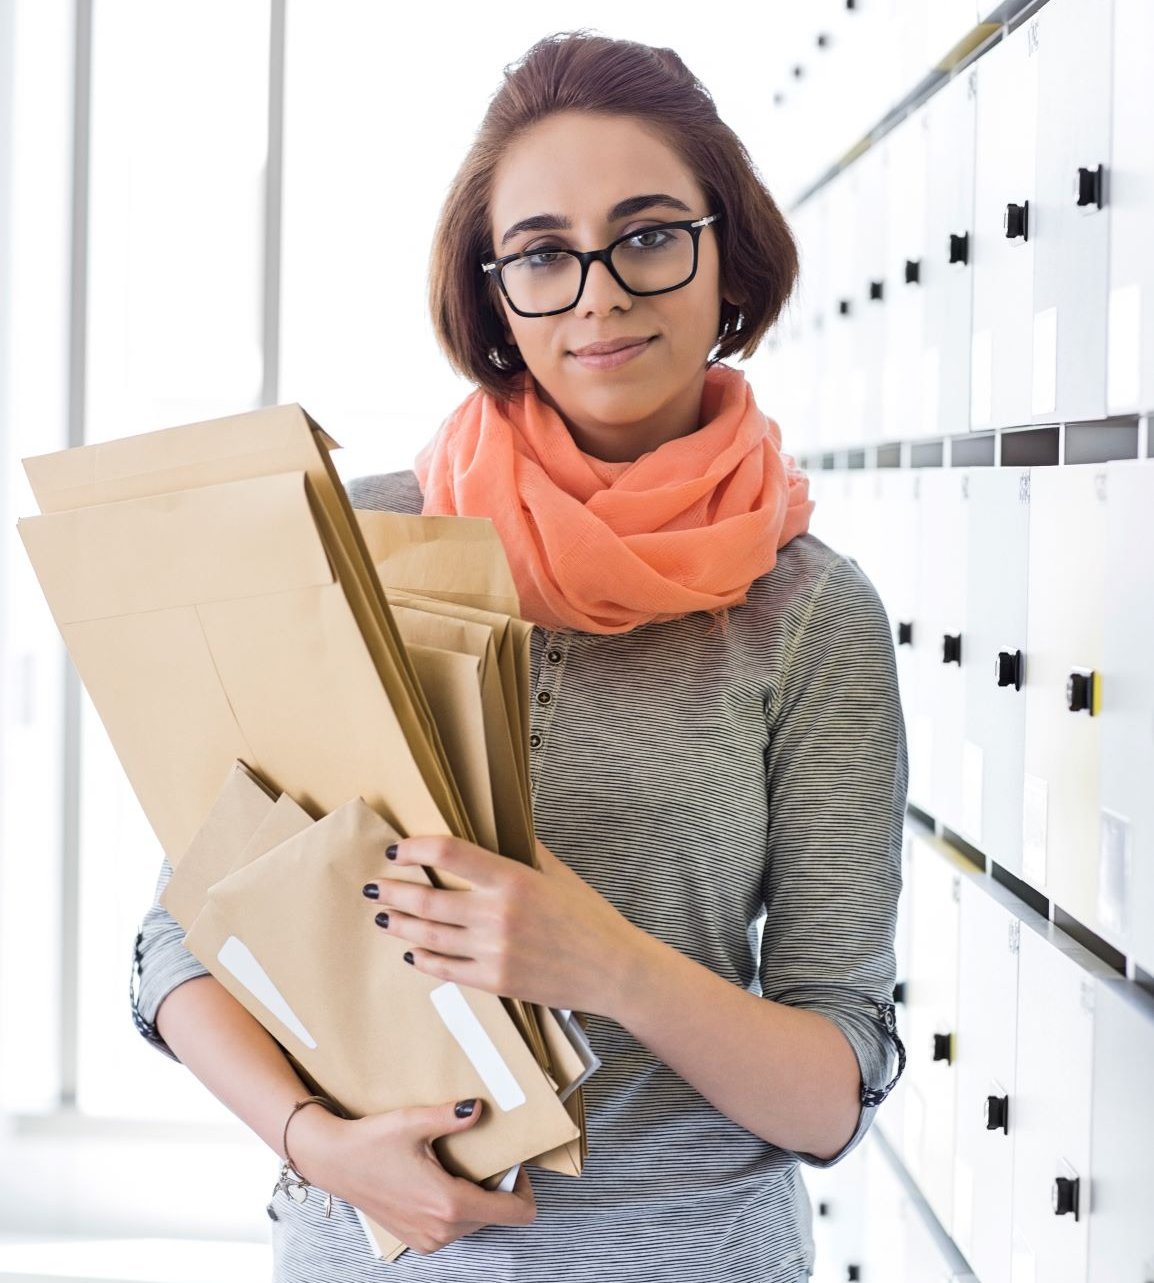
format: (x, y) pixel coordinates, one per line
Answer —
(652, 260)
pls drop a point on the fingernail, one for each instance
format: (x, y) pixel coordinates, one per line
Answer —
(382, 919)
(464, 1108)
(371, 891)
(391, 852)
(409, 959)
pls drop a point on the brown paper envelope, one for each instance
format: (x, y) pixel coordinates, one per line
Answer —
(452, 686)
(383, 1035)
(284, 821)
(273, 440)
(195, 656)
(451, 632)
(236, 815)
(511, 786)
(457, 559)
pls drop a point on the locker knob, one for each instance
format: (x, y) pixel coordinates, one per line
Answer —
(900, 991)
(823, 40)
(943, 1047)
(997, 1113)
(853, 1273)
(1088, 188)
(843, 307)
(913, 271)
(876, 290)
(1080, 691)
(905, 634)
(952, 649)
(798, 71)
(778, 98)
(959, 247)
(1016, 221)
(1064, 1196)
(1008, 668)
(823, 1208)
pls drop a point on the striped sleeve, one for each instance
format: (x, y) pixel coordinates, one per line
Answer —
(837, 774)
(160, 962)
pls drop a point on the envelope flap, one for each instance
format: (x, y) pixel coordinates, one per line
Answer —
(188, 456)
(454, 558)
(235, 540)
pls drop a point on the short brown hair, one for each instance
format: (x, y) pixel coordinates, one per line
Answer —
(580, 71)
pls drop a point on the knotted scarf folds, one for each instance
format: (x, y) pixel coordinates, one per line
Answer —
(605, 547)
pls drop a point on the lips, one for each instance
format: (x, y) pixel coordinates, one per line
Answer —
(611, 345)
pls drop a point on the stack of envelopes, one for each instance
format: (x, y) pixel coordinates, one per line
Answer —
(223, 603)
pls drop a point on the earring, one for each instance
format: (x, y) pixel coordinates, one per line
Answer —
(499, 359)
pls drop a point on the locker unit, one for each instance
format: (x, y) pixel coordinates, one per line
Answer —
(977, 301)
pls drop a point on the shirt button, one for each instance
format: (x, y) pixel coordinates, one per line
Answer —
(534, 740)
(543, 697)
(554, 657)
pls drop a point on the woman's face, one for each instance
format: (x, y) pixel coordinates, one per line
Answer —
(574, 168)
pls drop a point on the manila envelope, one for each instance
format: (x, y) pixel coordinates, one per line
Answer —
(461, 561)
(494, 755)
(208, 626)
(289, 936)
(258, 443)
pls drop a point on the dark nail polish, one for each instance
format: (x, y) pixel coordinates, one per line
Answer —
(391, 852)
(409, 959)
(371, 891)
(382, 919)
(464, 1108)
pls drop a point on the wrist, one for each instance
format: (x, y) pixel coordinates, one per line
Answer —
(635, 959)
(313, 1136)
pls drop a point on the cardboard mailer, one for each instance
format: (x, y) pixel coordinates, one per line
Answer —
(289, 936)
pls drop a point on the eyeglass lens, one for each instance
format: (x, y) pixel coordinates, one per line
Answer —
(547, 280)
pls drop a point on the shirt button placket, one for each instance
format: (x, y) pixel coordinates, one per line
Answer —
(545, 696)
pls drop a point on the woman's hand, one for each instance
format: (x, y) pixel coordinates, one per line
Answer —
(385, 1165)
(541, 935)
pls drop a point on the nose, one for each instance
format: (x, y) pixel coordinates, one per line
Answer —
(602, 293)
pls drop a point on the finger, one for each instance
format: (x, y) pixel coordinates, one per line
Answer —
(449, 941)
(472, 1203)
(461, 971)
(454, 855)
(425, 1123)
(431, 903)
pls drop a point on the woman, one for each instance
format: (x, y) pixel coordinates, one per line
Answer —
(716, 739)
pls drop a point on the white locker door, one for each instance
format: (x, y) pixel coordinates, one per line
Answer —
(875, 291)
(1003, 248)
(987, 1036)
(890, 1117)
(995, 631)
(903, 412)
(1122, 1135)
(949, 517)
(1126, 853)
(1071, 251)
(1050, 1120)
(932, 995)
(1066, 606)
(843, 391)
(1130, 201)
(949, 242)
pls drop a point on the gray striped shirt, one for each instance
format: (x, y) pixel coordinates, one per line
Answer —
(739, 792)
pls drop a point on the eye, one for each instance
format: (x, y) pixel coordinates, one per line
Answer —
(659, 236)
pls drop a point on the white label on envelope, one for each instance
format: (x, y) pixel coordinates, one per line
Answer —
(239, 959)
(462, 1023)
(509, 1179)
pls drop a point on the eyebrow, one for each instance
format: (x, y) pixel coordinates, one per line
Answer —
(623, 209)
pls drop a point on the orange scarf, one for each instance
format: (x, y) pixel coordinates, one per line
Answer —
(607, 546)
